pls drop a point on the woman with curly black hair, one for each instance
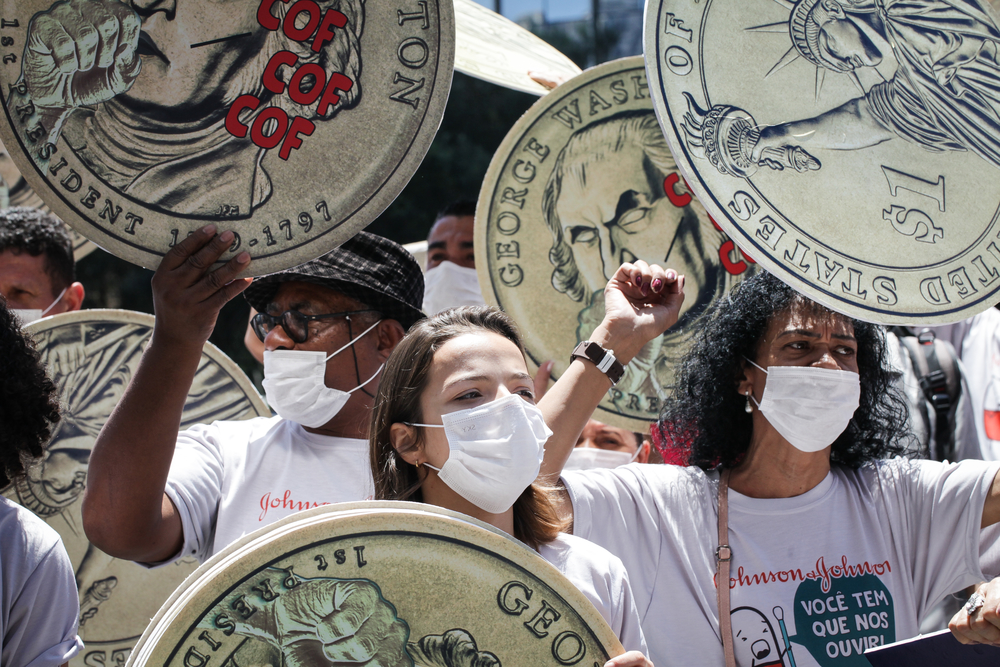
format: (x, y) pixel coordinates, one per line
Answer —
(39, 603)
(711, 422)
(786, 412)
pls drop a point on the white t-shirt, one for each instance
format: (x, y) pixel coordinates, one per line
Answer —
(602, 579)
(977, 341)
(851, 563)
(228, 479)
(39, 603)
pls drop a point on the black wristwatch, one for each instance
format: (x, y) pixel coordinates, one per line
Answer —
(604, 359)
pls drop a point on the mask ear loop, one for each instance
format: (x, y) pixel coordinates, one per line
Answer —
(749, 395)
(351, 342)
(367, 381)
(354, 353)
(425, 463)
(58, 298)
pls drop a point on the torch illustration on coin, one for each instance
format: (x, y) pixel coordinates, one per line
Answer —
(844, 143)
(943, 99)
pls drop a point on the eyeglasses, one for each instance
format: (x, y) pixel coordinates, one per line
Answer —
(295, 324)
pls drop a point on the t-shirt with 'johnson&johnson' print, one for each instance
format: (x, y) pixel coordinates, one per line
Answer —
(228, 479)
(815, 579)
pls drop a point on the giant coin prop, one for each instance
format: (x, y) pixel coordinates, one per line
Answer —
(853, 148)
(15, 191)
(293, 124)
(583, 182)
(392, 584)
(91, 356)
(495, 49)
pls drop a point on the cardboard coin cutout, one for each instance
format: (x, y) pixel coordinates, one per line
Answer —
(15, 191)
(852, 147)
(91, 356)
(435, 589)
(583, 182)
(495, 49)
(293, 124)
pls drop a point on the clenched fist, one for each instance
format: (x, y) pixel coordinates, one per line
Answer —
(332, 622)
(81, 52)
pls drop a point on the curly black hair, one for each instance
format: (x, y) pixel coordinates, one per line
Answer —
(705, 416)
(29, 400)
(25, 229)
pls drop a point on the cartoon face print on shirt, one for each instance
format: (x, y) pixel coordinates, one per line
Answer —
(754, 640)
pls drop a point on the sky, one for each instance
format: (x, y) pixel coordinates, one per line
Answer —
(555, 10)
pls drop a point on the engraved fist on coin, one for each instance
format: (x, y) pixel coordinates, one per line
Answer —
(81, 52)
(327, 622)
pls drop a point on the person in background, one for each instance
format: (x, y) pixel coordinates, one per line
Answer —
(450, 279)
(977, 341)
(604, 446)
(327, 325)
(37, 272)
(38, 595)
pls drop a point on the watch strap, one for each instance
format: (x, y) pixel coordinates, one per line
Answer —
(604, 359)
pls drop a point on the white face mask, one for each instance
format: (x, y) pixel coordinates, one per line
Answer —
(590, 458)
(810, 407)
(29, 315)
(449, 285)
(295, 385)
(495, 451)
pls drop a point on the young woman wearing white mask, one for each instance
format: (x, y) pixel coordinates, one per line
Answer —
(455, 425)
(787, 414)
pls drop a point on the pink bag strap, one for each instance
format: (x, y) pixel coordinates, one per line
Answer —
(723, 556)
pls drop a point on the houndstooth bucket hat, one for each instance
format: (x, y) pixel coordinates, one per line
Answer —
(374, 270)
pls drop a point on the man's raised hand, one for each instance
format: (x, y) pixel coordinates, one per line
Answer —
(188, 293)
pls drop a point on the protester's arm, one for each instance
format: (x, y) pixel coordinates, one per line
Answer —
(125, 511)
(640, 303)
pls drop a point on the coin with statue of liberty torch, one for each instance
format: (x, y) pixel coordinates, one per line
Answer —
(852, 147)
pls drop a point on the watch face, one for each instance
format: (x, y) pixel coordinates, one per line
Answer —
(594, 352)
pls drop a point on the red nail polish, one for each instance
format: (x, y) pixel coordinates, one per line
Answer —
(657, 285)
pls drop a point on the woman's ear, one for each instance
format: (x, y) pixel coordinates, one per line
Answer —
(404, 440)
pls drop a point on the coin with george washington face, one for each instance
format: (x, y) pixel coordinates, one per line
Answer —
(392, 584)
(90, 356)
(292, 123)
(583, 182)
(852, 147)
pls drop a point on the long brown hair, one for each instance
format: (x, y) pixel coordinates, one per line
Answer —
(403, 381)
